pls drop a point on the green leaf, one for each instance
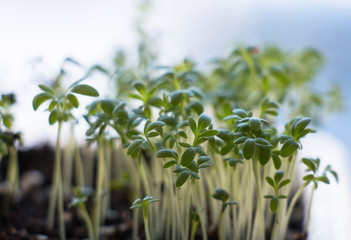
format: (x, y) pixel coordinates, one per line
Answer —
(302, 124)
(274, 204)
(309, 163)
(226, 149)
(284, 182)
(278, 176)
(220, 194)
(181, 134)
(152, 134)
(85, 90)
(270, 181)
(268, 196)
(200, 151)
(153, 125)
(255, 124)
(135, 96)
(170, 121)
(195, 175)
(240, 140)
(264, 154)
(282, 196)
(204, 121)
(203, 159)
(134, 146)
(73, 100)
(53, 117)
(52, 105)
(335, 175)
(249, 148)
(47, 89)
(192, 125)
(140, 88)
(308, 177)
(188, 156)
(196, 106)
(288, 148)
(262, 141)
(240, 112)
(193, 167)
(184, 144)
(181, 178)
(39, 99)
(276, 161)
(169, 164)
(323, 179)
(107, 106)
(176, 97)
(208, 133)
(167, 153)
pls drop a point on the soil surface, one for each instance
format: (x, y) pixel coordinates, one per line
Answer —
(24, 216)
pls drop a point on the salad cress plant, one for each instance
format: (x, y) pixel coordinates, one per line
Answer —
(184, 135)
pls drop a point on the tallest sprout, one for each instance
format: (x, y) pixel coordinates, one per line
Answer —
(61, 104)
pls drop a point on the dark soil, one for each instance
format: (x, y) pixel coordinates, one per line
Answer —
(24, 217)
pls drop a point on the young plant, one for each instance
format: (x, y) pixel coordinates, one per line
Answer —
(103, 114)
(82, 195)
(144, 204)
(60, 108)
(8, 140)
(223, 196)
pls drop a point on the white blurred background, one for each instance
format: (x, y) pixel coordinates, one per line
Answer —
(36, 36)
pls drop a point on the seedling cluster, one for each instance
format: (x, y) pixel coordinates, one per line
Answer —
(182, 135)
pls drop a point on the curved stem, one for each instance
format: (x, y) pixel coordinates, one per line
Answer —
(307, 221)
(88, 221)
(291, 208)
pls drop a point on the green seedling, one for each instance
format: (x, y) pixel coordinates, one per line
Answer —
(82, 195)
(144, 204)
(104, 114)
(223, 196)
(277, 184)
(60, 108)
(8, 140)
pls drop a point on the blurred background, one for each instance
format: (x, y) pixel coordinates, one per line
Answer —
(36, 36)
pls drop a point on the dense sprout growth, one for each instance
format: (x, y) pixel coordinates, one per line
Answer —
(183, 135)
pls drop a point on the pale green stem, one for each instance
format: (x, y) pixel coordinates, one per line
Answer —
(249, 203)
(221, 232)
(195, 224)
(146, 223)
(88, 221)
(138, 193)
(307, 221)
(12, 170)
(199, 212)
(56, 190)
(99, 187)
(291, 208)
(180, 215)
(79, 168)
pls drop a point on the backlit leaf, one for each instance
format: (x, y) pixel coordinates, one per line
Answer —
(85, 90)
